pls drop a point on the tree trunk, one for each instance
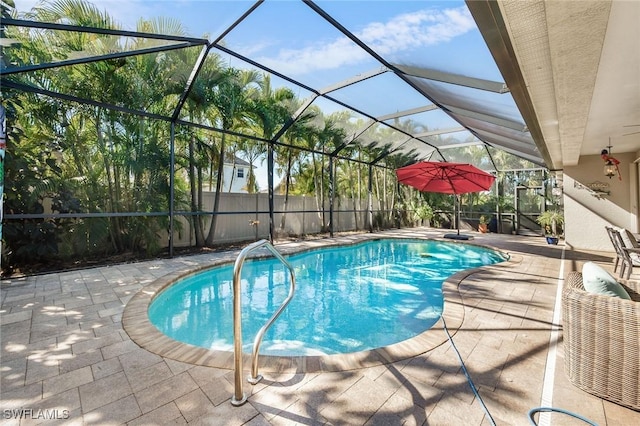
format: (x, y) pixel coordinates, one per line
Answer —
(286, 191)
(114, 229)
(216, 202)
(233, 172)
(200, 203)
(317, 187)
(353, 198)
(193, 184)
(322, 195)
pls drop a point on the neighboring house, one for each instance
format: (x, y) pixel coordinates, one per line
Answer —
(235, 175)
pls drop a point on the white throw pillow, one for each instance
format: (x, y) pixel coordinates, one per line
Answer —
(597, 280)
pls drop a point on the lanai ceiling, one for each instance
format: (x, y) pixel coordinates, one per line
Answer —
(576, 66)
(566, 77)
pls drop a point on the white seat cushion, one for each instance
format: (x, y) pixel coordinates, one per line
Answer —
(628, 239)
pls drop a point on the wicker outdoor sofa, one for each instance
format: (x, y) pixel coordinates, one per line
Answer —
(601, 337)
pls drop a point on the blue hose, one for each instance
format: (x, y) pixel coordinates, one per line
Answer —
(533, 412)
(466, 373)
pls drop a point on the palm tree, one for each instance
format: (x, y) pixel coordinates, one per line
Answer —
(230, 98)
(297, 134)
(268, 112)
(328, 138)
(252, 151)
(122, 159)
(197, 109)
(49, 127)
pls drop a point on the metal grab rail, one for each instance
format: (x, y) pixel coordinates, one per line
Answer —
(239, 397)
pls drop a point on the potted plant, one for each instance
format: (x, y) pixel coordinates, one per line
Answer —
(422, 213)
(552, 222)
(483, 225)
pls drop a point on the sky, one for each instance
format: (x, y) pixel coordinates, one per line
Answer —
(290, 38)
(392, 26)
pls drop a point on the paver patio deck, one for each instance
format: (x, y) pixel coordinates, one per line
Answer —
(65, 353)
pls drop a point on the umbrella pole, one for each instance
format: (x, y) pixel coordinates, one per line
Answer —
(458, 221)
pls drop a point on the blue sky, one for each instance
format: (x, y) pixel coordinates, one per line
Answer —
(281, 36)
(290, 38)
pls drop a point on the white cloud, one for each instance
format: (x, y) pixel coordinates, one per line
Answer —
(403, 32)
(400, 33)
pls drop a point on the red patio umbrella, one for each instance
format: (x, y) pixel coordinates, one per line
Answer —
(446, 178)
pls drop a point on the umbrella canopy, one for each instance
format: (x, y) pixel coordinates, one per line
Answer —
(446, 178)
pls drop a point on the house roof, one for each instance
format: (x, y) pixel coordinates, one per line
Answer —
(236, 161)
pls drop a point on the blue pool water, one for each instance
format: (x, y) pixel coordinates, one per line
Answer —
(348, 298)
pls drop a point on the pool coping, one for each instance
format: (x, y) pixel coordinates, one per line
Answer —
(136, 323)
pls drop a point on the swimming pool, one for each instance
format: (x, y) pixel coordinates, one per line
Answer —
(349, 298)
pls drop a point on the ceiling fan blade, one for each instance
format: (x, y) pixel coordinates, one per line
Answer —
(632, 133)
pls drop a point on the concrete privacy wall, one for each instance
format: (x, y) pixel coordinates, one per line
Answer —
(249, 226)
(584, 207)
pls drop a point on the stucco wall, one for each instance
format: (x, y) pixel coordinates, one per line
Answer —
(587, 213)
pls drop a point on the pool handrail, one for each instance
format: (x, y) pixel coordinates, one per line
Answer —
(239, 397)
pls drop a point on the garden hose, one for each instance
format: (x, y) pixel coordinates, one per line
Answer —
(531, 413)
(466, 373)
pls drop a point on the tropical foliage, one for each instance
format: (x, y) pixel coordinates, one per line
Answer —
(93, 179)
(552, 222)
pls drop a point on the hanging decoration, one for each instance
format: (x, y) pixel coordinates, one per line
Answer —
(610, 163)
